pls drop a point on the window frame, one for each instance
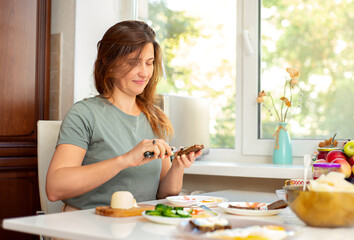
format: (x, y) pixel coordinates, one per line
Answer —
(251, 110)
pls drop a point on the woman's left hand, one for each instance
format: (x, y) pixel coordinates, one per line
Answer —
(185, 161)
(171, 177)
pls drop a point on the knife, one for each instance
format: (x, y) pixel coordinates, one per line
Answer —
(151, 154)
(207, 209)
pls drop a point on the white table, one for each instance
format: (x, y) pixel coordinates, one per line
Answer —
(87, 225)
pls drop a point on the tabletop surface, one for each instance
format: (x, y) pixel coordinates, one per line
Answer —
(85, 224)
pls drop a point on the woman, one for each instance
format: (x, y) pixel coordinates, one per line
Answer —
(102, 139)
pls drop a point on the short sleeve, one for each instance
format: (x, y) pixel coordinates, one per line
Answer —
(77, 126)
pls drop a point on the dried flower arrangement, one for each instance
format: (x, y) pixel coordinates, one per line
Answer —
(283, 113)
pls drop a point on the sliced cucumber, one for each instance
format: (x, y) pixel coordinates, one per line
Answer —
(153, 213)
(160, 207)
(167, 212)
(183, 214)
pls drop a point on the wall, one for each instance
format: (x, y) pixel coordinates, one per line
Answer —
(62, 57)
(92, 20)
(192, 183)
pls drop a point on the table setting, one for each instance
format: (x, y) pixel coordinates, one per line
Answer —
(87, 224)
(318, 207)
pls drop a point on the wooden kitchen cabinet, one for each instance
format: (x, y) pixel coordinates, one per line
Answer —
(24, 99)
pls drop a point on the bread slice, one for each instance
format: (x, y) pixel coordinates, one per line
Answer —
(194, 148)
(210, 225)
(248, 208)
(277, 205)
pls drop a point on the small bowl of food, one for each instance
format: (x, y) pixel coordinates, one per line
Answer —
(328, 202)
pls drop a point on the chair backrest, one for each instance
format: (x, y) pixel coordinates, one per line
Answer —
(46, 140)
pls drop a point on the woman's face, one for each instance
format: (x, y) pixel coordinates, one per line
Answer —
(134, 82)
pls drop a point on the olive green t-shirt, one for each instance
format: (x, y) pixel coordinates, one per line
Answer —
(106, 132)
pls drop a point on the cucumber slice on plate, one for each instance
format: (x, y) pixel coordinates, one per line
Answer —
(162, 207)
(153, 213)
(168, 212)
(183, 214)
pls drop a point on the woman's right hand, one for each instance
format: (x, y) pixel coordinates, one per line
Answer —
(68, 178)
(159, 147)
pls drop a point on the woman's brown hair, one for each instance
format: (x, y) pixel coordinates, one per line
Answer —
(120, 40)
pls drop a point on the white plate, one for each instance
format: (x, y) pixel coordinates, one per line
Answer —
(188, 230)
(190, 200)
(167, 220)
(247, 212)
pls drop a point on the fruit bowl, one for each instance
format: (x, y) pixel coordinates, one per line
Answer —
(322, 209)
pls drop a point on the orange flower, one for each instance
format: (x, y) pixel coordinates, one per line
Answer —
(261, 96)
(287, 102)
(293, 72)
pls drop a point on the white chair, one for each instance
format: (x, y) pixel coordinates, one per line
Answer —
(46, 140)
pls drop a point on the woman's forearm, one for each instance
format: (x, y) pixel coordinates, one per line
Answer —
(171, 184)
(68, 182)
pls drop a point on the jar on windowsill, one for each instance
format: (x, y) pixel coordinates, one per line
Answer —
(322, 152)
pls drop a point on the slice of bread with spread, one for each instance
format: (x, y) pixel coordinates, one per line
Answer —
(194, 148)
(277, 205)
(210, 224)
(241, 207)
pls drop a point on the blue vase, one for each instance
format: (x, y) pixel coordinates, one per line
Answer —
(283, 153)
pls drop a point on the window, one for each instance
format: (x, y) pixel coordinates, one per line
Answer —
(222, 49)
(315, 39)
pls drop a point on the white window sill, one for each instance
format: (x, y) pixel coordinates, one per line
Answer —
(251, 170)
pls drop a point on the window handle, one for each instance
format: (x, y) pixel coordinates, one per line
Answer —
(247, 41)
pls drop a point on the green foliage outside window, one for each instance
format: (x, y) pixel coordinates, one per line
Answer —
(318, 39)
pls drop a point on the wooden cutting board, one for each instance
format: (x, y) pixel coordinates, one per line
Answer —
(115, 212)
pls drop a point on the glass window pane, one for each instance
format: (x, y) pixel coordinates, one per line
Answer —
(198, 39)
(318, 40)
